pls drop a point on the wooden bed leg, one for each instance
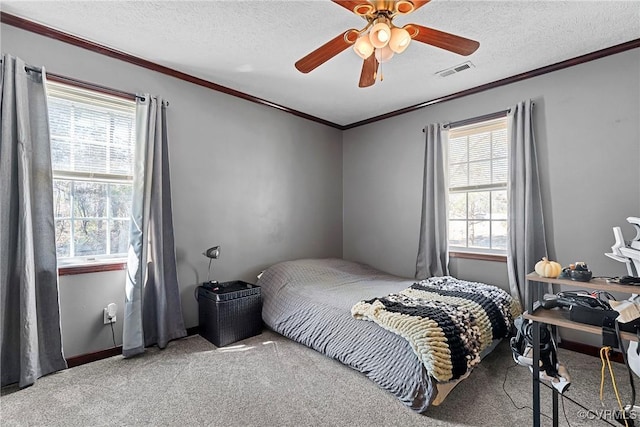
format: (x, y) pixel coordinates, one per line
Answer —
(443, 389)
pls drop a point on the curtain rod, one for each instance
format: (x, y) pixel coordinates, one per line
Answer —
(87, 85)
(482, 118)
(477, 119)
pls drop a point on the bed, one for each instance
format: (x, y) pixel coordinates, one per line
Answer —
(310, 301)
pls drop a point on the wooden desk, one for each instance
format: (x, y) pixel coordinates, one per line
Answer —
(560, 318)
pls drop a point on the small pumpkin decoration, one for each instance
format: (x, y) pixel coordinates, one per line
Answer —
(546, 268)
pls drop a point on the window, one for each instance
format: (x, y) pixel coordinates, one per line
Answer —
(92, 152)
(478, 173)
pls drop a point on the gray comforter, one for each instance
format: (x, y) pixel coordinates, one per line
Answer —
(310, 302)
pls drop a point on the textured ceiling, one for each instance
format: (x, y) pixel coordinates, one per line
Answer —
(251, 46)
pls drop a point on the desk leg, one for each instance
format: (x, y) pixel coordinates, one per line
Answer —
(536, 374)
(554, 334)
(555, 407)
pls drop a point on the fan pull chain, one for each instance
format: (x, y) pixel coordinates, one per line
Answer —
(381, 74)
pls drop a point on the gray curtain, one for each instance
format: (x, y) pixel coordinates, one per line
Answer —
(30, 338)
(152, 313)
(526, 243)
(433, 251)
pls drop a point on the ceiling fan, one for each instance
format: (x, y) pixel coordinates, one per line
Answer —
(380, 39)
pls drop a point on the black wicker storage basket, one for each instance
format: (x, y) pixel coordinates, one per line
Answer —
(229, 311)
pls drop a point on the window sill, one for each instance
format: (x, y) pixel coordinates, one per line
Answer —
(67, 270)
(478, 256)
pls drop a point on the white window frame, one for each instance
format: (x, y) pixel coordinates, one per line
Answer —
(467, 130)
(69, 92)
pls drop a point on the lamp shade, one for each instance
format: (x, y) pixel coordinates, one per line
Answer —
(212, 253)
(379, 35)
(363, 47)
(400, 39)
(384, 54)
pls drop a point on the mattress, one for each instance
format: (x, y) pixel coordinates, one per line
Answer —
(310, 301)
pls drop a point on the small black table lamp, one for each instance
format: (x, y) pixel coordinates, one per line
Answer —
(211, 253)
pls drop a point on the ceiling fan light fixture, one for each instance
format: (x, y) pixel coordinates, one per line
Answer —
(400, 40)
(363, 47)
(384, 54)
(379, 40)
(380, 34)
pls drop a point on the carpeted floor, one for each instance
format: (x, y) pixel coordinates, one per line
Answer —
(269, 380)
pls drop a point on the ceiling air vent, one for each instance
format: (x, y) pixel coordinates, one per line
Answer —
(455, 69)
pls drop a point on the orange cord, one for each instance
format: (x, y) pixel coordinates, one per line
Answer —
(604, 353)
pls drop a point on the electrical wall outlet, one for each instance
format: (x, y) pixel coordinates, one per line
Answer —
(109, 313)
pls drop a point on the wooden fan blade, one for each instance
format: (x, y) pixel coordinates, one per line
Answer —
(361, 7)
(327, 51)
(417, 4)
(446, 41)
(369, 71)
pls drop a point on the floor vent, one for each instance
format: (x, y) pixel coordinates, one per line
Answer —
(455, 69)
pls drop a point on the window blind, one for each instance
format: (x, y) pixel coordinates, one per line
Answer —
(478, 156)
(92, 135)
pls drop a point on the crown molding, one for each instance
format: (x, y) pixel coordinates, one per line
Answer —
(43, 30)
(633, 44)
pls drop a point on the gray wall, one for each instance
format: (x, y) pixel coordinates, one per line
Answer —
(587, 124)
(263, 184)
